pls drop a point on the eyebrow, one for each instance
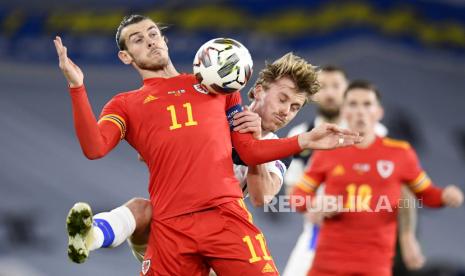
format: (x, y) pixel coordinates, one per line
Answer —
(284, 94)
(136, 33)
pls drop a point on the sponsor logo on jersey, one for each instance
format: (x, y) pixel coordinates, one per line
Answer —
(385, 168)
(177, 92)
(150, 98)
(145, 266)
(361, 168)
(200, 88)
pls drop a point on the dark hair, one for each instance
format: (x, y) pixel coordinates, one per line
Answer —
(363, 84)
(129, 20)
(330, 68)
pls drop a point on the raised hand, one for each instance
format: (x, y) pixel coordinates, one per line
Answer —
(248, 121)
(328, 136)
(72, 72)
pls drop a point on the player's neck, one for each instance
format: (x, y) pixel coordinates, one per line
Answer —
(334, 120)
(368, 140)
(167, 72)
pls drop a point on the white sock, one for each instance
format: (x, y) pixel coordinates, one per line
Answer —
(112, 228)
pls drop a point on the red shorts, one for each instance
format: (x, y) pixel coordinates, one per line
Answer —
(222, 238)
(372, 272)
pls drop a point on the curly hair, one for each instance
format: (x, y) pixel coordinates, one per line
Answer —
(302, 73)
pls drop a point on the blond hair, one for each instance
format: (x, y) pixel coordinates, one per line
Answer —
(302, 73)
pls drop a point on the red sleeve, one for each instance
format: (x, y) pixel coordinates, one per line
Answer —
(306, 187)
(96, 139)
(252, 151)
(419, 182)
(233, 100)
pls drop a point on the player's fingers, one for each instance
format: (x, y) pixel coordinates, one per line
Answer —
(246, 118)
(344, 141)
(248, 130)
(340, 130)
(244, 114)
(246, 125)
(57, 47)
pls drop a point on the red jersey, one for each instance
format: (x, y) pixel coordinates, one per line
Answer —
(182, 133)
(367, 180)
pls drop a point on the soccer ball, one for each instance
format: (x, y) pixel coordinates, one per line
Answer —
(223, 65)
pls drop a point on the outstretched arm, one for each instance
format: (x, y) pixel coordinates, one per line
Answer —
(325, 136)
(96, 139)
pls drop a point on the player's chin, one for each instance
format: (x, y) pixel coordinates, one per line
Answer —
(277, 126)
(270, 127)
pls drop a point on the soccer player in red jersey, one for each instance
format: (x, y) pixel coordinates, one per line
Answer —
(198, 221)
(364, 183)
(276, 100)
(334, 81)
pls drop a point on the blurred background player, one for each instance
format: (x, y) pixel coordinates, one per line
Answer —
(368, 178)
(333, 82)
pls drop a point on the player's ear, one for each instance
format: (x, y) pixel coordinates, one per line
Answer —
(380, 113)
(258, 92)
(125, 57)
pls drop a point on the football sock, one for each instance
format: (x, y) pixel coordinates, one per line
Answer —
(112, 228)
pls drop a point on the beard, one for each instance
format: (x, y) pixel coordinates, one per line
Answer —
(329, 114)
(152, 64)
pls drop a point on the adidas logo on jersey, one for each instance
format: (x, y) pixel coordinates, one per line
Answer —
(268, 268)
(338, 171)
(150, 98)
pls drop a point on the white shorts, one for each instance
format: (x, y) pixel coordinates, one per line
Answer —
(301, 257)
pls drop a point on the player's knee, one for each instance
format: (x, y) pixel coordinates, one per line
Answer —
(141, 210)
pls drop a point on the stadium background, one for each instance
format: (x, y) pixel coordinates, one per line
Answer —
(414, 51)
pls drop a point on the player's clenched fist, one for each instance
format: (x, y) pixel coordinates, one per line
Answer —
(452, 196)
(72, 72)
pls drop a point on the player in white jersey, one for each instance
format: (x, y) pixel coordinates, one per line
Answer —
(333, 81)
(281, 90)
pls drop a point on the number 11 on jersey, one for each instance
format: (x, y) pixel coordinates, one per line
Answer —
(174, 119)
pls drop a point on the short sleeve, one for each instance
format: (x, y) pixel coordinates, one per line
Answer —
(314, 174)
(412, 174)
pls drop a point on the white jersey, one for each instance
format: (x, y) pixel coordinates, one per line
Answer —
(278, 167)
